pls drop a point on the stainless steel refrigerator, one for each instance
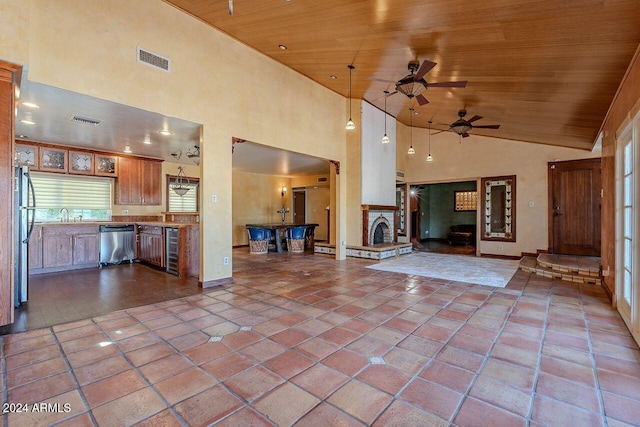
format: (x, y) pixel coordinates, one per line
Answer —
(25, 201)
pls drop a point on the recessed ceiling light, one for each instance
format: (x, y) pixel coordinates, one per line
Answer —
(282, 47)
(27, 120)
(127, 149)
(333, 76)
(165, 132)
(30, 104)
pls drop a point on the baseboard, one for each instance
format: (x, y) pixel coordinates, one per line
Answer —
(216, 282)
(514, 257)
(239, 246)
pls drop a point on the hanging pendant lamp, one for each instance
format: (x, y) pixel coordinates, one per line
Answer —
(350, 124)
(385, 138)
(411, 150)
(429, 158)
(181, 184)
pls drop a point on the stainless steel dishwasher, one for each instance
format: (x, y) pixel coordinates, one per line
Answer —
(172, 250)
(117, 244)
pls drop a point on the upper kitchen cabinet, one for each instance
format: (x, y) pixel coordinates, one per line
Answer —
(81, 163)
(106, 165)
(139, 182)
(27, 155)
(54, 159)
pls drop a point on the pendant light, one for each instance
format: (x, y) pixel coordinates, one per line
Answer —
(180, 186)
(429, 158)
(350, 124)
(385, 138)
(411, 150)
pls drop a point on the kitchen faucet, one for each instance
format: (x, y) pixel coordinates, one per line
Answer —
(64, 215)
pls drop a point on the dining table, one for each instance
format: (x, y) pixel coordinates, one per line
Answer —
(278, 227)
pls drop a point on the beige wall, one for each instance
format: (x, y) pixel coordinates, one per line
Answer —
(256, 198)
(91, 50)
(477, 157)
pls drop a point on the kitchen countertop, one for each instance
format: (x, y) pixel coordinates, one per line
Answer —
(152, 223)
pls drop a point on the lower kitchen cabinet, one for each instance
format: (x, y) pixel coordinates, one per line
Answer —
(62, 247)
(151, 245)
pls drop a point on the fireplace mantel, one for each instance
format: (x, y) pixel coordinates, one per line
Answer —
(366, 224)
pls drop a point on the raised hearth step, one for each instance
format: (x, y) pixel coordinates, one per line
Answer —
(532, 265)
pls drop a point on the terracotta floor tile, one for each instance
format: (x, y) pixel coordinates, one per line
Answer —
(176, 330)
(568, 391)
(509, 373)
(568, 370)
(384, 378)
(33, 418)
(245, 417)
(129, 409)
(317, 348)
(84, 343)
(515, 355)
(81, 420)
(320, 380)
(554, 412)
(420, 345)
(138, 341)
(434, 333)
(206, 352)
(462, 358)
(450, 376)
(290, 337)
(263, 350)
(253, 383)
(402, 414)
(108, 389)
(288, 364)
(148, 354)
(190, 340)
(292, 319)
(493, 391)
(619, 366)
(621, 408)
(269, 328)
(346, 361)
(75, 333)
(101, 369)
(358, 325)
(360, 400)
(164, 419)
(369, 346)
(474, 412)
(227, 365)
(619, 384)
(91, 355)
(166, 367)
(474, 344)
(339, 336)
(327, 415)
(406, 360)
(432, 397)
(185, 384)
(34, 356)
(118, 334)
(569, 354)
(208, 406)
(286, 404)
(39, 391)
(34, 372)
(389, 335)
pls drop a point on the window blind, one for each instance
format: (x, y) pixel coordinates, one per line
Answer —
(186, 203)
(55, 191)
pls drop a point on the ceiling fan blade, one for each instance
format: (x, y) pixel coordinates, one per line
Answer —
(424, 69)
(474, 118)
(381, 80)
(421, 99)
(230, 7)
(465, 135)
(440, 131)
(487, 127)
(462, 83)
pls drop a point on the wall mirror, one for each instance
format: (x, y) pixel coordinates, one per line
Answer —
(401, 201)
(499, 208)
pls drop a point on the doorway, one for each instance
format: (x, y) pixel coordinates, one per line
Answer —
(575, 202)
(299, 206)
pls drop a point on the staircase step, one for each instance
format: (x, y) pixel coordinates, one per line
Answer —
(580, 265)
(532, 265)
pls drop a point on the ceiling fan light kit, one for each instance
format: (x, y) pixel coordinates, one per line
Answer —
(385, 138)
(350, 124)
(429, 157)
(411, 149)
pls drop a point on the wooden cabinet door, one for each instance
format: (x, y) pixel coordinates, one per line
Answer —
(35, 248)
(86, 249)
(129, 182)
(151, 182)
(151, 248)
(57, 250)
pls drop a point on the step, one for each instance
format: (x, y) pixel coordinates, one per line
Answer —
(530, 264)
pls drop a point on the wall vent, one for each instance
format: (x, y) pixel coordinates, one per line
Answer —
(322, 179)
(85, 120)
(154, 60)
(400, 174)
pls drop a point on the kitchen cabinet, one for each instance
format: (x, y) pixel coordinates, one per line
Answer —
(139, 182)
(63, 247)
(151, 245)
(81, 163)
(27, 155)
(106, 165)
(54, 159)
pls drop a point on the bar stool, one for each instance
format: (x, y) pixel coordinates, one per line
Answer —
(258, 240)
(295, 238)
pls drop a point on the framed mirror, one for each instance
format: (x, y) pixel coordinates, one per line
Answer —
(401, 202)
(499, 208)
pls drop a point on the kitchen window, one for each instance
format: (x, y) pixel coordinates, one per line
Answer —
(85, 198)
(186, 203)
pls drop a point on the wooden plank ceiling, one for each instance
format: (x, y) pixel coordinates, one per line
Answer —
(545, 70)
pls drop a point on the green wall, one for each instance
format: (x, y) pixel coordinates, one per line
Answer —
(437, 208)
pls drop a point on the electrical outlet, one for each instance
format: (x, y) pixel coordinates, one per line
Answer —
(225, 260)
(125, 211)
(214, 198)
(501, 248)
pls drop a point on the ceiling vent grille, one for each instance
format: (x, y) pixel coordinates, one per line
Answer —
(400, 174)
(322, 179)
(154, 60)
(85, 120)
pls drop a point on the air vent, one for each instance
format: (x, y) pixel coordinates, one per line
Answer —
(85, 120)
(154, 60)
(400, 174)
(322, 179)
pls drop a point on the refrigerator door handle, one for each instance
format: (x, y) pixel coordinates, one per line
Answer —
(30, 208)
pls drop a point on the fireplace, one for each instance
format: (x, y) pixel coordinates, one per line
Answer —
(378, 224)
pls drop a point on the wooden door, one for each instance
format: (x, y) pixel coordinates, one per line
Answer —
(574, 207)
(299, 204)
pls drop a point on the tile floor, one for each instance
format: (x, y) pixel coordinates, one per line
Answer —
(309, 341)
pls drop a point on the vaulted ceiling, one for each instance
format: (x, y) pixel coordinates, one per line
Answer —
(545, 70)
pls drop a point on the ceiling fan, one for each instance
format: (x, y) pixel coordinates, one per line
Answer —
(462, 126)
(413, 85)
